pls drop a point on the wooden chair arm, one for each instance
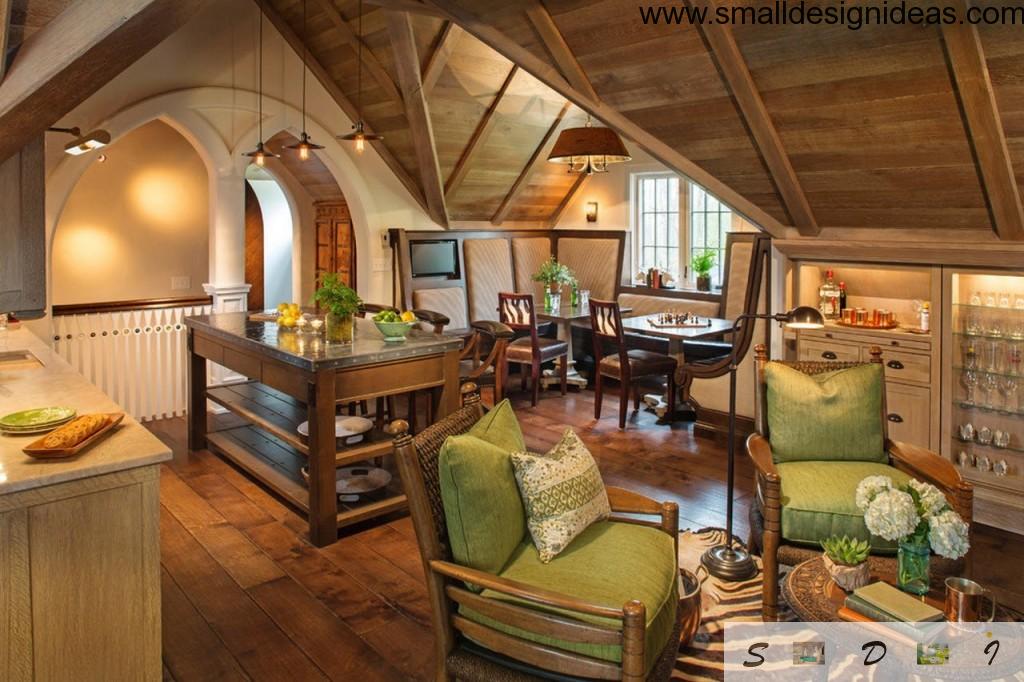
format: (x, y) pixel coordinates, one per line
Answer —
(437, 320)
(927, 464)
(530, 593)
(760, 452)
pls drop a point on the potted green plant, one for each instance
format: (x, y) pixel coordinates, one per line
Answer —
(847, 561)
(702, 264)
(554, 275)
(342, 304)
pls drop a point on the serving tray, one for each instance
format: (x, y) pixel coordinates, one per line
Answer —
(36, 449)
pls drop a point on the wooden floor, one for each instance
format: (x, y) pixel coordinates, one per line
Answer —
(246, 597)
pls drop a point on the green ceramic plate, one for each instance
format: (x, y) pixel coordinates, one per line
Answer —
(36, 418)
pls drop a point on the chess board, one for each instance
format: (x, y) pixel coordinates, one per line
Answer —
(686, 321)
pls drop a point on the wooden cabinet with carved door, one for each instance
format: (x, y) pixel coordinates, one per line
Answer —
(335, 242)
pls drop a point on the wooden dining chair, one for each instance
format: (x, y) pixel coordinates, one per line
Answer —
(626, 366)
(517, 312)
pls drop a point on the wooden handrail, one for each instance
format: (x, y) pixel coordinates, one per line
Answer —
(135, 304)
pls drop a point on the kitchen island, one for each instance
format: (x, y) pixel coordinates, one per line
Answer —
(79, 537)
(296, 376)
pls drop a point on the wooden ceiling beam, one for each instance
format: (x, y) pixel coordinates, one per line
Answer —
(736, 76)
(566, 200)
(479, 137)
(539, 157)
(343, 102)
(370, 60)
(610, 116)
(73, 56)
(407, 62)
(559, 50)
(984, 126)
(5, 33)
(411, 6)
(438, 59)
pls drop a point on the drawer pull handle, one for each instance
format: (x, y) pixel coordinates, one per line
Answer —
(829, 355)
(894, 364)
(895, 418)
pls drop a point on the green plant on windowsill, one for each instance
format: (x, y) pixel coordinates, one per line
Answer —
(702, 264)
(342, 303)
(846, 559)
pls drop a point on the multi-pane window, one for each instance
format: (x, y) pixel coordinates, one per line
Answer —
(710, 219)
(657, 198)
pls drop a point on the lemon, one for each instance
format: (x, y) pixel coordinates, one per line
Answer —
(408, 316)
(282, 307)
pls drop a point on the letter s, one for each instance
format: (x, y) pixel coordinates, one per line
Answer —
(750, 650)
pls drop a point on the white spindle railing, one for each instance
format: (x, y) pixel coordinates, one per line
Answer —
(137, 357)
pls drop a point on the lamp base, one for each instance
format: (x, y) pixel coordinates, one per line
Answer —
(729, 563)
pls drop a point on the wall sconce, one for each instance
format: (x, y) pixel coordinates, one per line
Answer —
(591, 211)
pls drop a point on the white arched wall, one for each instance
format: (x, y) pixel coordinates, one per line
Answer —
(183, 110)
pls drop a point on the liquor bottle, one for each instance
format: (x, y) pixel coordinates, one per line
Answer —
(842, 296)
(828, 297)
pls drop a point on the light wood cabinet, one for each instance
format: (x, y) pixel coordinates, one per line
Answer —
(80, 580)
(23, 232)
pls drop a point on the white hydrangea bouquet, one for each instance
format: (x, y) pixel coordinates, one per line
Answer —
(917, 516)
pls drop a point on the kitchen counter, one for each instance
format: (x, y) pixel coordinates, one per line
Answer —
(56, 383)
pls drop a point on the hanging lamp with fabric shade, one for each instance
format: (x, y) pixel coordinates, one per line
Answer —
(359, 134)
(304, 146)
(261, 153)
(589, 149)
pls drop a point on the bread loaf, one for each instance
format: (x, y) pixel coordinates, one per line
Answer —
(75, 431)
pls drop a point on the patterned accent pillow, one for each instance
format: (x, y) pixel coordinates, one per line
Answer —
(563, 494)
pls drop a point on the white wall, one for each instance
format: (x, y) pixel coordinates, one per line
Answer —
(277, 242)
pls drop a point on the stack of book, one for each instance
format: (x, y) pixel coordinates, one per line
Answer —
(881, 602)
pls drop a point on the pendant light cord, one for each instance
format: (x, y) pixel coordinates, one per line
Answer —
(359, 66)
(260, 70)
(305, 57)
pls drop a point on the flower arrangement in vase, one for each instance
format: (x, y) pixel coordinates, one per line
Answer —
(917, 516)
(554, 275)
(342, 304)
(846, 559)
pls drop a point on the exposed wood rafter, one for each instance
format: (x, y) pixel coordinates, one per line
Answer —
(566, 200)
(984, 128)
(661, 151)
(371, 62)
(407, 63)
(346, 105)
(733, 69)
(5, 33)
(540, 156)
(446, 43)
(479, 137)
(556, 46)
(73, 56)
(411, 6)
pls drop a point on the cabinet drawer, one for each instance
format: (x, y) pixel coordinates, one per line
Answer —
(822, 350)
(908, 413)
(903, 366)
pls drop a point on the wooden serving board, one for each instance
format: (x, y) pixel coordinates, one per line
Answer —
(36, 449)
(263, 317)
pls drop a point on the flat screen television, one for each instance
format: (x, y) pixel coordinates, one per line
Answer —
(435, 258)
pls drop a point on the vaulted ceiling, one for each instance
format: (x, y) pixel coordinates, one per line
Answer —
(807, 130)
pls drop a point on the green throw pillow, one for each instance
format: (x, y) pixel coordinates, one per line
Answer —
(500, 427)
(482, 508)
(826, 417)
(563, 493)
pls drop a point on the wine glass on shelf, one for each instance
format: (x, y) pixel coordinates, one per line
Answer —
(1014, 355)
(969, 354)
(990, 299)
(995, 356)
(975, 298)
(1004, 299)
(1008, 386)
(996, 325)
(990, 385)
(969, 380)
(972, 323)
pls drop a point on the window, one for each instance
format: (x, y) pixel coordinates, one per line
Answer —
(674, 220)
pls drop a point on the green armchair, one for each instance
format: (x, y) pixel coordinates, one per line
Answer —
(807, 472)
(605, 608)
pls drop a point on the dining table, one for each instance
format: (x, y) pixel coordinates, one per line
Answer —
(704, 328)
(564, 317)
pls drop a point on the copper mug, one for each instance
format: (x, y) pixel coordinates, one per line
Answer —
(963, 601)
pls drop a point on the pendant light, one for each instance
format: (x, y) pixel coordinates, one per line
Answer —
(589, 150)
(260, 154)
(304, 146)
(359, 134)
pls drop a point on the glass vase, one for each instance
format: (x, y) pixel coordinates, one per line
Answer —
(338, 328)
(912, 568)
(552, 300)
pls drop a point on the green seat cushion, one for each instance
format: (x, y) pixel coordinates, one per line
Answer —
(610, 563)
(500, 427)
(834, 416)
(818, 500)
(484, 514)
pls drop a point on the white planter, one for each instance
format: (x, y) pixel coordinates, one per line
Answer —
(848, 577)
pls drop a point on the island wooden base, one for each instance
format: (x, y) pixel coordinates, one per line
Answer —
(80, 579)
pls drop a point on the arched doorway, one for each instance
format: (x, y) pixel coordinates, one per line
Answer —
(269, 240)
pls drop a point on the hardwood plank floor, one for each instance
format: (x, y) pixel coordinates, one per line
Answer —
(245, 596)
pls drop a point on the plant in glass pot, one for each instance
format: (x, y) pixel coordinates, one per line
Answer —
(342, 304)
(846, 560)
(554, 275)
(702, 264)
(917, 516)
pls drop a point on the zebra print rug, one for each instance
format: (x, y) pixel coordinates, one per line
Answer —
(721, 601)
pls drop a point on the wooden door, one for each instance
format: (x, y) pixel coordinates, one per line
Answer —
(335, 242)
(254, 249)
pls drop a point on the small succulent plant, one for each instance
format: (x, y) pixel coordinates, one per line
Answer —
(845, 550)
